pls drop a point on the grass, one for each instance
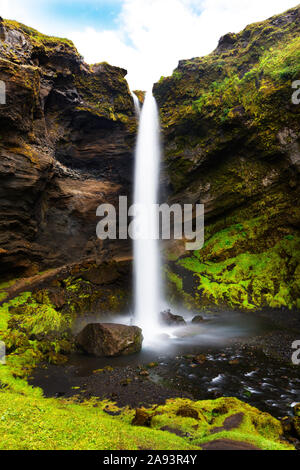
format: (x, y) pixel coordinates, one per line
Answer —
(31, 423)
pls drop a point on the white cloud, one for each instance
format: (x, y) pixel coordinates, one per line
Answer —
(151, 36)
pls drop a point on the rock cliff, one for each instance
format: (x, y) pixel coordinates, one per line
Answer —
(67, 137)
(231, 138)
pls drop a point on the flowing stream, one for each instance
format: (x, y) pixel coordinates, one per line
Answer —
(147, 277)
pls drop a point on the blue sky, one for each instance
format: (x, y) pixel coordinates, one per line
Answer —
(74, 14)
(147, 37)
(67, 14)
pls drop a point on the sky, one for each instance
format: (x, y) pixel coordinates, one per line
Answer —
(146, 37)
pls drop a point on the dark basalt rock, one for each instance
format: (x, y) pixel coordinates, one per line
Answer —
(169, 319)
(110, 339)
(198, 319)
(227, 42)
(228, 444)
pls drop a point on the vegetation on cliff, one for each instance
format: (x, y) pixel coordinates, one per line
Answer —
(232, 143)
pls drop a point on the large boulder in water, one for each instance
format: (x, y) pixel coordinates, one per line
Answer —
(172, 320)
(110, 339)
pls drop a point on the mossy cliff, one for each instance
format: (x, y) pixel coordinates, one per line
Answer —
(231, 137)
(67, 137)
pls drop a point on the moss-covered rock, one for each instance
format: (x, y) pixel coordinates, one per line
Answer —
(216, 420)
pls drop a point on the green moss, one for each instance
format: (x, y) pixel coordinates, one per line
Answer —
(105, 93)
(30, 422)
(33, 332)
(38, 37)
(247, 280)
(250, 264)
(257, 428)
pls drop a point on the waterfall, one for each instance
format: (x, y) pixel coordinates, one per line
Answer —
(137, 105)
(147, 276)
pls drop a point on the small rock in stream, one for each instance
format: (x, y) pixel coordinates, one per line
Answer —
(172, 320)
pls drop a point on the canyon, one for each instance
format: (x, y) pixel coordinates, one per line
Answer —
(230, 133)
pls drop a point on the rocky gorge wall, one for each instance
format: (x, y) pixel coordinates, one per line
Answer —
(67, 137)
(231, 141)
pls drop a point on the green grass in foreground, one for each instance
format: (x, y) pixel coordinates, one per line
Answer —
(31, 422)
(28, 421)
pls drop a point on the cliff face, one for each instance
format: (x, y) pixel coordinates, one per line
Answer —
(67, 137)
(231, 136)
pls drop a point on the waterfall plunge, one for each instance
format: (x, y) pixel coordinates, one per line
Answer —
(147, 275)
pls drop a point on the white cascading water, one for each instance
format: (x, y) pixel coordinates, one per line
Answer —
(137, 105)
(147, 276)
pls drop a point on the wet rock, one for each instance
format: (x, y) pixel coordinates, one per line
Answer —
(177, 432)
(296, 424)
(287, 425)
(234, 362)
(227, 444)
(230, 423)
(187, 412)
(200, 359)
(172, 320)
(296, 409)
(58, 298)
(109, 339)
(142, 418)
(291, 427)
(144, 373)
(198, 319)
